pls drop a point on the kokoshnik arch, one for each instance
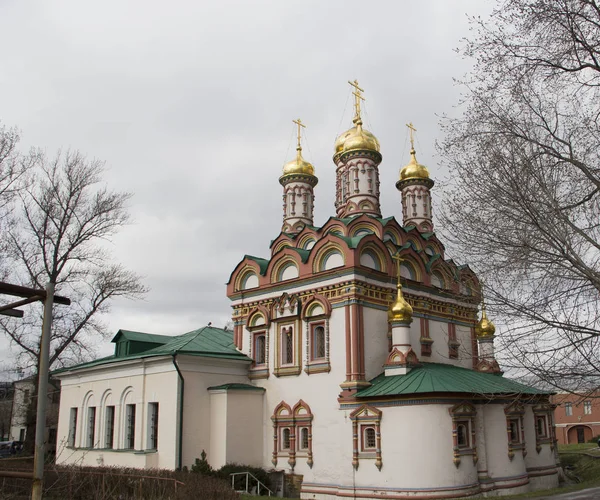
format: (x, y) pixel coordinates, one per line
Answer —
(357, 362)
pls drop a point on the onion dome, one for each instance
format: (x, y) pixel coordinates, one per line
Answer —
(400, 310)
(298, 166)
(355, 139)
(485, 328)
(414, 170)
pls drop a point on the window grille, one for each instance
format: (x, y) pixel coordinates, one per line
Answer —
(285, 438)
(91, 426)
(540, 426)
(370, 442)
(260, 350)
(515, 437)
(462, 434)
(304, 438)
(109, 427)
(319, 342)
(72, 427)
(130, 427)
(288, 346)
(587, 407)
(153, 418)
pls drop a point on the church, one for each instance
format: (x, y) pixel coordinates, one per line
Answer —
(358, 362)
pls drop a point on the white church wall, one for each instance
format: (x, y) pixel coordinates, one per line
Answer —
(409, 435)
(500, 467)
(200, 374)
(217, 451)
(136, 383)
(376, 341)
(244, 427)
(539, 464)
(465, 350)
(331, 428)
(438, 331)
(236, 427)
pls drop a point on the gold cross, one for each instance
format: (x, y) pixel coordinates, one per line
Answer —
(412, 131)
(357, 98)
(399, 260)
(300, 126)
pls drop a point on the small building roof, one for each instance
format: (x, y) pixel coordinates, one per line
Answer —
(236, 387)
(207, 342)
(437, 377)
(142, 337)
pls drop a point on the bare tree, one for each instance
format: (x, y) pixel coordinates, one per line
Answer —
(523, 204)
(66, 219)
(13, 168)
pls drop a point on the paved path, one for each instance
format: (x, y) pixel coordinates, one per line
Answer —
(587, 494)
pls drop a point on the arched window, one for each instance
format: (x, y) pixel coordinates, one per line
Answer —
(363, 231)
(540, 426)
(287, 272)
(250, 280)
(288, 346)
(437, 280)
(308, 243)
(318, 342)
(304, 438)
(260, 343)
(370, 259)
(332, 259)
(462, 434)
(407, 271)
(369, 438)
(514, 427)
(285, 438)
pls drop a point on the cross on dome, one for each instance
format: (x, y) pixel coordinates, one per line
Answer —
(300, 127)
(412, 129)
(357, 93)
(399, 260)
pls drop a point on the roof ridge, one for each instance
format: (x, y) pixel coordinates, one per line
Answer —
(192, 337)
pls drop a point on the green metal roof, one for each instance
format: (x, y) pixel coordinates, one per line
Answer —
(204, 341)
(142, 337)
(304, 254)
(207, 342)
(262, 263)
(437, 377)
(236, 387)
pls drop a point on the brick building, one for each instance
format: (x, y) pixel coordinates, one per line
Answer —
(577, 417)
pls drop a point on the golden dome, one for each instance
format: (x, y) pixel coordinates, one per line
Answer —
(414, 170)
(298, 166)
(356, 138)
(485, 328)
(400, 310)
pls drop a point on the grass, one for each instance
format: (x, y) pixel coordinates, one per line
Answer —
(563, 448)
(584, 467)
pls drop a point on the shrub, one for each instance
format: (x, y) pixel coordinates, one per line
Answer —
(104, 483)
(201, 465)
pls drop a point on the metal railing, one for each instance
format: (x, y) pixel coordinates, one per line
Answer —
(260, 487)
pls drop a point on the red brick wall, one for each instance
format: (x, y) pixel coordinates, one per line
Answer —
(570, 429)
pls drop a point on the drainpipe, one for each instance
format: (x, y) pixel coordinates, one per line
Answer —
(180, 410)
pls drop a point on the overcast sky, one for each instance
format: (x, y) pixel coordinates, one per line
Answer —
(191, 105)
